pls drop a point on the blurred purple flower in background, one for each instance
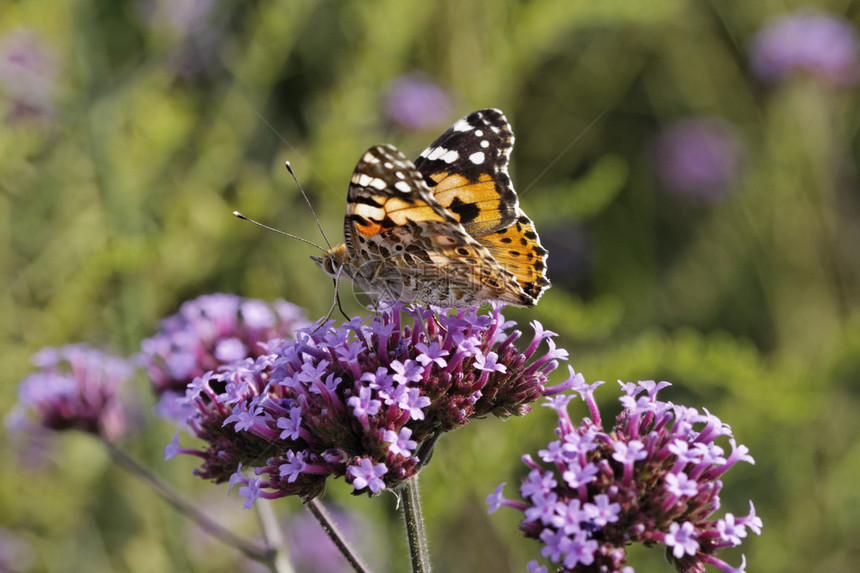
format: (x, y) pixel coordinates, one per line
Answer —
(699, 157)
(196, 28)
(28, 73)
(16, 555)
(76, 387)
(312, 551)
(653, 478)
(415, 101)
(210, 331)
(810, 42)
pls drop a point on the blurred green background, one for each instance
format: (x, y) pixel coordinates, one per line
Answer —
(137, 127)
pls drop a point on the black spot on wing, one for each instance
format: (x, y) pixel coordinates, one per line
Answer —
(482, 143)
(366, 200)
(467, 212)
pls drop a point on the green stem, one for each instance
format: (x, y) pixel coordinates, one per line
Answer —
(318, 511)
(280, 556)
(415, 531)
(252, 550)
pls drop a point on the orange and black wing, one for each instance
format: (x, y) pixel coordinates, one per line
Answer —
(517, 249)
(467, 171)
(386, 194)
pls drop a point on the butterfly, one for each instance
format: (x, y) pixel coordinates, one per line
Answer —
(446, 230)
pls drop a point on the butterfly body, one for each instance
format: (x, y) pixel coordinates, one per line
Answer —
(446, 230)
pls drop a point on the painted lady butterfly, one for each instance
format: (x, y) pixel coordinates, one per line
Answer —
(446, 230)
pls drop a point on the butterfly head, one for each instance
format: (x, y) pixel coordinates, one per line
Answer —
(332, 260)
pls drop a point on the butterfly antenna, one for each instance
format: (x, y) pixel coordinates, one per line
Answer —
(308, 201)
(241, 216)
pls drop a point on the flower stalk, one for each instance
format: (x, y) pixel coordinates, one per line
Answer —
(250, 549)
(318, 511)
(416, 533)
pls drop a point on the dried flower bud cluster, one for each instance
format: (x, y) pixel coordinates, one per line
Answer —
(654, 478)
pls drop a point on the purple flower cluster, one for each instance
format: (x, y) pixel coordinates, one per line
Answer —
(76, 387)
(208, 332)
(363, 400)
(654, 478)
(699, 157)
(808, 42)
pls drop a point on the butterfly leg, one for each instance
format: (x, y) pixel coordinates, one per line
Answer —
(340, 308)
(335, 303)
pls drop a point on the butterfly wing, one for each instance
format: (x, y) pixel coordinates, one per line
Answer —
(402, 241)
(386, 192)
(517, 249)
(467, 170)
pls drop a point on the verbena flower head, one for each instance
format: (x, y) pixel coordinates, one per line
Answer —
(415, 101)
(360, 400)
(653, 478)
(76, 387)
(698, 157)
(807, 42)
(208, 332)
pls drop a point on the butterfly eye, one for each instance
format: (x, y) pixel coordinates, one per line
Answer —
(329, 265)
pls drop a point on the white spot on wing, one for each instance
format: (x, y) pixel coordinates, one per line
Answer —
(462, 125)
(477, 158)
(388, 165)
(450, 156)
(370, 158)
(362, 179)
(484, 143)
(479, 133)
(399, 175)
(377, 183)
(436, 153)
(403, 187)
